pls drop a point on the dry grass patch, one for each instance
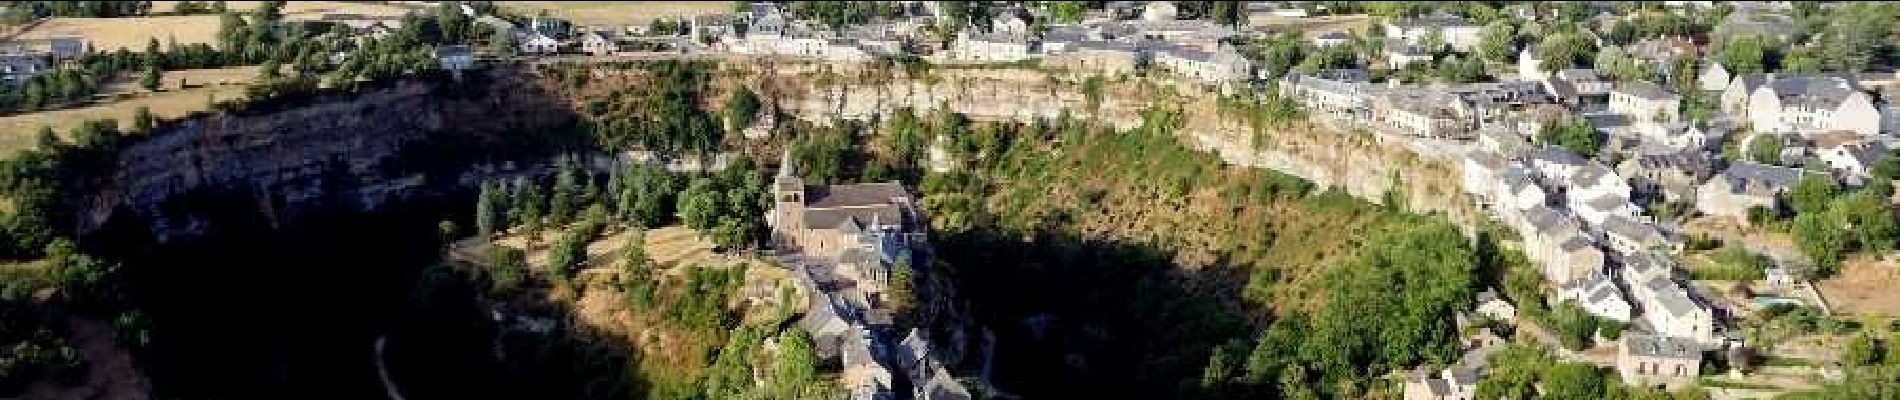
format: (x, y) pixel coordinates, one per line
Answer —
(109, 34)
(1864, 287)
(20, 129)
(1313, 26)
(308, 10)
(617, 13)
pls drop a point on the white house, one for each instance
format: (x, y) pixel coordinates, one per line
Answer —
(1849, 154)
(599, 44)
(538, 43)
(1491, 305)
(1598, 295)
(1812, 104)
(1459, 33)
(1160, 11)
(1714, 77)
(1669, 309)
(1332, 39)
(990, 47)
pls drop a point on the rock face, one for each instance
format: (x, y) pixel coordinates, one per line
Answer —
(354, 151)
(1357, 163)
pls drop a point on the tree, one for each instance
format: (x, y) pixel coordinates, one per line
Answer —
(700, 205)
(742, 108)
(488, 215)
(1868, 219)
(1766, 148)
(151, 78)
(506, 267)
(1564, 49)
(567, 254)
(1498, 41)
(501, 43)
(1575, 134)
(1065, 11)
(796, 366)
(1812, 194)
(1573, 381)
(270, 11)
(563, 203)
(1745, 54)
(1861, 351)
(143, 121)
(1820, 236)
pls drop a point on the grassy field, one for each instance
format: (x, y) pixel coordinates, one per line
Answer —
(108, 34)
(617, 13)
(17, 131)
(308, 10)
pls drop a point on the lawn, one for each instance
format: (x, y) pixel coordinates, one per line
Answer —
(617, 13)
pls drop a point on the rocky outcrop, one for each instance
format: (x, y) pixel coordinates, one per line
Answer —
(357, 151)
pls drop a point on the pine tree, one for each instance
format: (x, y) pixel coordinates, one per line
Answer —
(143, 121)
(486, 211)
(562, 205)
(151, 77)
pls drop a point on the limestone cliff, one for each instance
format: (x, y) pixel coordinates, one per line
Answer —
(356, 151)
(1355, 162)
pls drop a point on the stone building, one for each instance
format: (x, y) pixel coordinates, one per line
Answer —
(1657, 360)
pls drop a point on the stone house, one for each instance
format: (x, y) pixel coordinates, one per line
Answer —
(1579, 88)
(1653, 360)
(1812, 104)
(1742, 186)
(1222, 65)
(1449, 384)
(1645, 102)
(1398, 55)
(1673, 176)
(1553, 240)
(1328, 94)
(1627, 235)
(1098, 58)
(1421, 113)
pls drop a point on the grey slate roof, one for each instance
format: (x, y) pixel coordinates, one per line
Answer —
(1646, 90)
(1743, 175)
(1824, 92)
(1674, 299)
(1647, 345)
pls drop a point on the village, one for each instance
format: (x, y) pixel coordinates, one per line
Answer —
(1608, 223)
